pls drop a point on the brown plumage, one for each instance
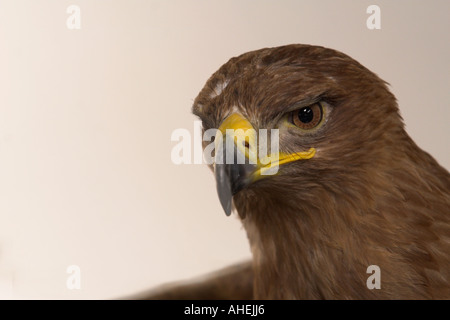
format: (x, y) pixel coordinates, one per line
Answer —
(370, 195)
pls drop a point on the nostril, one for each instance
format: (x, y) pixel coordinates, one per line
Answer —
(246, 144)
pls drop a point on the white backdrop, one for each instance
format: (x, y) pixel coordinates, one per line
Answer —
(86, 117)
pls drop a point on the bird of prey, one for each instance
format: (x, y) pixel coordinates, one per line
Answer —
(352, 188)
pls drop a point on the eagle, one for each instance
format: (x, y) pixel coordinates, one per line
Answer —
(351, 190)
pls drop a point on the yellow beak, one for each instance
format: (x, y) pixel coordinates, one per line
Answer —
(245, 165)
(245, 140)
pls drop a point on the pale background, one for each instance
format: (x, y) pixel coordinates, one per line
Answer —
(86, 117)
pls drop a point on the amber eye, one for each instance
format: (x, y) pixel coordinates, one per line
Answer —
(307, 117)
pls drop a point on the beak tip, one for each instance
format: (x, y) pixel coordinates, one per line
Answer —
(228, 211)
(223, 188)
(225, 201)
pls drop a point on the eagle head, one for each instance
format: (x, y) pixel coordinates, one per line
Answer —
(327, 109)
(341, 186)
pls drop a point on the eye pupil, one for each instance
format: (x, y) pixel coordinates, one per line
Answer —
(305, 115)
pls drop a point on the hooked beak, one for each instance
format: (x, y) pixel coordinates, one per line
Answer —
(236, 161)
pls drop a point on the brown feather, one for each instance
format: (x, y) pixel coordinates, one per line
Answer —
(234, 282)
(370, 196)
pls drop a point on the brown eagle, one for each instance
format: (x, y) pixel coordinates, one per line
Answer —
(352, 189)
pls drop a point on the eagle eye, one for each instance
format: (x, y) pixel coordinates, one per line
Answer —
(308, 117)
